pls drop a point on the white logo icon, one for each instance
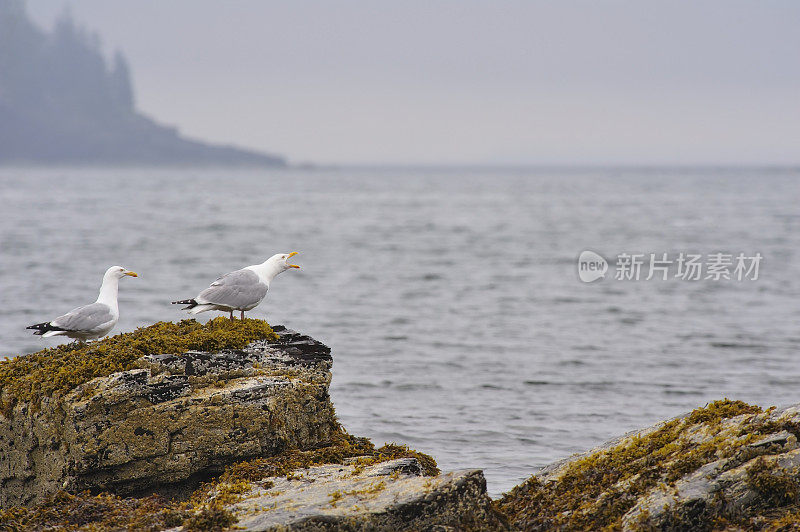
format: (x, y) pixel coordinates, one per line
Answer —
(591, 266)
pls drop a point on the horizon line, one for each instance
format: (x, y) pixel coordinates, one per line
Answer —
(306, 165)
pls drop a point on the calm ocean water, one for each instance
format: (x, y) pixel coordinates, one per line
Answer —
(450, 298)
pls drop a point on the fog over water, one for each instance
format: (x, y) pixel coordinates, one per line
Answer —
(466, 81)
(450, 298)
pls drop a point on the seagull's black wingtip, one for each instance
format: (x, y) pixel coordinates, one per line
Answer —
(191, 302)
(41, 328)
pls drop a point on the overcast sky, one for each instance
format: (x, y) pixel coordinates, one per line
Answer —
(463, 82)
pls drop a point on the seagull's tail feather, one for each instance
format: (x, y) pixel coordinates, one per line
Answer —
(45, 327)
(196, 309)
(193, 306)
(191, 302)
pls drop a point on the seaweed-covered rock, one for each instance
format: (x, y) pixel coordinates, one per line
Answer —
(727, 465)
(169, 421)
(343, 484)
(390, 496)
(230, 423)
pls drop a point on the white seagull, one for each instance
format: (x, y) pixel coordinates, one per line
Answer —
(240, 290)
(89, 321)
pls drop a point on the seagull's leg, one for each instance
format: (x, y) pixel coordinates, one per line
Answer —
(231, 316)
(242, 314)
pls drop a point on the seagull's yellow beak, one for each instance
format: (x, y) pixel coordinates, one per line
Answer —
(132, 274)
(292, 254)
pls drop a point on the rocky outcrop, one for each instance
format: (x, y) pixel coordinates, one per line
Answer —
(174, 421)
(256, 424)
(390, 496)
(727, 465)
(761, 476)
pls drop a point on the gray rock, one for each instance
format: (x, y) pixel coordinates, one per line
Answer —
(171, 423)
(720, 487)
(387, 496)
(701, 471)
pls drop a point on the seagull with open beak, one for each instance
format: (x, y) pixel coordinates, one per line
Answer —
(240, 290)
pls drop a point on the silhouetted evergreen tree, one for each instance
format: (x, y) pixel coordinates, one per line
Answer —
(121, 82)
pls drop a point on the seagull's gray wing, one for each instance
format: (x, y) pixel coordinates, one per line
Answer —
(86, 318)
(240, 290)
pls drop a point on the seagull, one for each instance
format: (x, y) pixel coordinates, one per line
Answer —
(89, 321)
(240, 290)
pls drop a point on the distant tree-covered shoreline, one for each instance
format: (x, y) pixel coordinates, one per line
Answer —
(61, 102)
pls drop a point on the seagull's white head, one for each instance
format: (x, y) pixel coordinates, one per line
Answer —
(118, 272)
(281, 261)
